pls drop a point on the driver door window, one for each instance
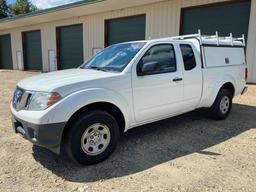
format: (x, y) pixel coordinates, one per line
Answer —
(163, 55)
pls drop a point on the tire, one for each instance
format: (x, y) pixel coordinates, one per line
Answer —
(222, 105)
(92, 137)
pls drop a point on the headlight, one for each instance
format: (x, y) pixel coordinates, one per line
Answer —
(40, 101)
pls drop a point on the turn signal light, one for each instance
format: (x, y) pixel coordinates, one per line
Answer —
(54, 98)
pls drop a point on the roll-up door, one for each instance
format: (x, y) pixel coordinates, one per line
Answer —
(5, 52)
(32, 51)
(125, 29)
(70, 46)
(228, 17)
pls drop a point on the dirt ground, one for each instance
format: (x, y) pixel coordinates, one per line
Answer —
(186, 153)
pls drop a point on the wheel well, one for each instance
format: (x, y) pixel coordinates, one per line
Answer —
(107, 107)
(229, 86)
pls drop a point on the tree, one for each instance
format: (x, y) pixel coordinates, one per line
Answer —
(4, 9)
(22, 7)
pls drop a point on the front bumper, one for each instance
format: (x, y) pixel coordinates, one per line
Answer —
(45, 135)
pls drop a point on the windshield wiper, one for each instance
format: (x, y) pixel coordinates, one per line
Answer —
(97, 68)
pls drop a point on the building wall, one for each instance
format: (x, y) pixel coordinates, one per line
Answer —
(162, 20)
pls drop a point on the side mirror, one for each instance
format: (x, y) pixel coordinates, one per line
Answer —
(148, 68)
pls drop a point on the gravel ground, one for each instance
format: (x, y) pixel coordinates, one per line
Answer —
(186, 153)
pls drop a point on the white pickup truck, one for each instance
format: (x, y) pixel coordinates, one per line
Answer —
(127, 85)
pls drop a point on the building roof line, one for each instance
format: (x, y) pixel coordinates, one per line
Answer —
(50, 10)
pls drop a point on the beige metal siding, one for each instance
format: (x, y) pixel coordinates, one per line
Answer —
(162, 20)
(251, 47)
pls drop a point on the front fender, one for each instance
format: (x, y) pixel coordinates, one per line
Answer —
(215, 87)
(64, 109)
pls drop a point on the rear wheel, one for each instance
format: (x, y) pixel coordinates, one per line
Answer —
(222, 105)
(92, 137)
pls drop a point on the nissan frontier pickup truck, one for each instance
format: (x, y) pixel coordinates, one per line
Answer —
(85, 110)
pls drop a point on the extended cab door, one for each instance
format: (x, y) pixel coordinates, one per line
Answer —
(158, 92)
(192, 75)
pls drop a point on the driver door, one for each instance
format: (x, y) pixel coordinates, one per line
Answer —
(157, 93)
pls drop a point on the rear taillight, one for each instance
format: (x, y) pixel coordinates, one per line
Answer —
(246, 74)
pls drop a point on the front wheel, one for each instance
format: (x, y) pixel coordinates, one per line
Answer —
(222, 105)
(92, 137)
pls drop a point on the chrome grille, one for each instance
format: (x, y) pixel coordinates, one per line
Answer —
(17, 97)
(20, 99)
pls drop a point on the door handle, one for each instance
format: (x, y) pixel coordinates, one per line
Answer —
(177, 79)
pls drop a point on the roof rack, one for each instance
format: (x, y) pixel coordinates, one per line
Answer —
(215, 36)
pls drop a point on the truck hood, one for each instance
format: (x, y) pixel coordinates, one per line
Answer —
(53, 80)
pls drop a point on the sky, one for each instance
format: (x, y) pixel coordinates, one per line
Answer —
(43, 4)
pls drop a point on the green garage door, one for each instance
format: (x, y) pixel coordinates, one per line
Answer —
(125, 29)
(32, 51)
(5, 52)
(70, 46)
(226, 18)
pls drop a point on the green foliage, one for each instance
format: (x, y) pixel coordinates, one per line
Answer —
(22, 7)
(4, 9)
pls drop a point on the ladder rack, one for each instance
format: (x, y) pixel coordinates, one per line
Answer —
(211, 37)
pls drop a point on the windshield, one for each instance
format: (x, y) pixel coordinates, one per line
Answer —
(114, 58)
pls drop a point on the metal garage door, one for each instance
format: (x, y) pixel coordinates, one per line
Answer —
(32, 50)
(125, 29)
(224, 17)
(70, 46)
(5, 52)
